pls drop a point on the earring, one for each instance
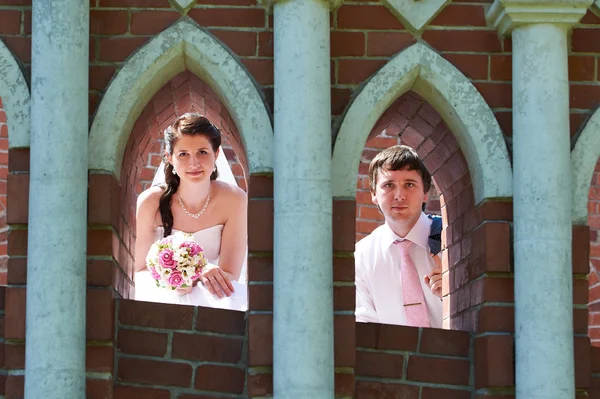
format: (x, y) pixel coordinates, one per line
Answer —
(174, 172)
(215, 168)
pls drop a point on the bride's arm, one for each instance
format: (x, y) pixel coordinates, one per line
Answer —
(145, 225)
(235, 232)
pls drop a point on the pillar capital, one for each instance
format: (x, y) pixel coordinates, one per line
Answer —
(506, 15)
(333, 4)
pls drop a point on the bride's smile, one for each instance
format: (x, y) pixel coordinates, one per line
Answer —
(190, 199)
(193, 157)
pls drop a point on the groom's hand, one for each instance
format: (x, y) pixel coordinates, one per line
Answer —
(434, 278)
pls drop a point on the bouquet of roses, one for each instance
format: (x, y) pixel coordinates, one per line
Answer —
(176, 261)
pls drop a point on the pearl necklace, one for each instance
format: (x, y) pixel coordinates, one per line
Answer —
(195, 215)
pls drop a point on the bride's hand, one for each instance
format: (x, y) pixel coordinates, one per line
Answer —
(184, 291)
(217, 281)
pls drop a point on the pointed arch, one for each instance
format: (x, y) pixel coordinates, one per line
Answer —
(182, 46)
(464, 110)
(16, 100)
(584, 157)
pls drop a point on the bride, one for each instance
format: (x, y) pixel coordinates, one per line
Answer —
(192, 200)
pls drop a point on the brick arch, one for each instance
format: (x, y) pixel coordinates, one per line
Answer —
(183, 46)
(184, 93)
(411, 121)
(584, 156)
(422, 70)
(594, 276)
(585, 160)
(14, 90)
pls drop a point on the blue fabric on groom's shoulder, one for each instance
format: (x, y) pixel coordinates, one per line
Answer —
(435, 234)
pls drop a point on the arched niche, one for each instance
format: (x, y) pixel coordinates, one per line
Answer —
(16, 100)
(182, 46)
(420, 69)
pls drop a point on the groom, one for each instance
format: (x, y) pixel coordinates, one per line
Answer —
(398, 281)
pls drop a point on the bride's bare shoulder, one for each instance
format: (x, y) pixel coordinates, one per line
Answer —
(230, 192)
(149, 198)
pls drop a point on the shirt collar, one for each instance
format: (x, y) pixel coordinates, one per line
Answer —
(419, 234)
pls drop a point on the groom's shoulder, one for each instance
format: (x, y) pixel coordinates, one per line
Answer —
(367, 243)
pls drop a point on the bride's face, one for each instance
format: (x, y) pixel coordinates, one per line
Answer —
(193, 157)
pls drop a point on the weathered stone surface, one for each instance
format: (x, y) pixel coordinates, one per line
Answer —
(422, 70)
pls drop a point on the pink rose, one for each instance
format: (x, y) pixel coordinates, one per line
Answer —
(193, 248)
(154, 274)
(175, 279)
(165, 257)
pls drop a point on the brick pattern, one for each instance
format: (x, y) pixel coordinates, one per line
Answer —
(365, 35)
(145, 149)
(405, 122)
(186, 93)
(594, 276)
(584, 70)
(99, 349)
(120, 27)
(412, 363)
(168, 351)
(3, 193)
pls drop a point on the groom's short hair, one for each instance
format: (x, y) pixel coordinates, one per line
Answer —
(398, 157)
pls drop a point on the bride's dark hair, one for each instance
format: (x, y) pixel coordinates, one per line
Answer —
(189, 124)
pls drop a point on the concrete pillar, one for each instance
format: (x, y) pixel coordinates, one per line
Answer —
(303, 282)
(542, 193)
(56, 255)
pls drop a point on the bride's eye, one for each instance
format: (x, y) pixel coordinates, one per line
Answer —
(181, 154)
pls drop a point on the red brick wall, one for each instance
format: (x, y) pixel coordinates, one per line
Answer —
(119, 27)
(594, 276)
(3, 179)
(100, 352)
(412, 363)
(365, 35)
(163, 351)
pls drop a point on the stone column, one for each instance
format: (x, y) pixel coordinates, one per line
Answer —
(56, 255)
(303, 283)
(542, 193)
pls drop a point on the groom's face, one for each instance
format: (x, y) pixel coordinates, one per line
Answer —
(400, 195)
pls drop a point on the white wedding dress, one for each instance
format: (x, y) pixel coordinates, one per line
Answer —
(210, 241)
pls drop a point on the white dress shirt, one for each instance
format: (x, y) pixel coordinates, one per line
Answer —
(378, 283)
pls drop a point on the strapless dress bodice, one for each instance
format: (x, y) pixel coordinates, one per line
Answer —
(209, 239)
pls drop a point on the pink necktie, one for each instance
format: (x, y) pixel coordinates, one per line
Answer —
(412, 293)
